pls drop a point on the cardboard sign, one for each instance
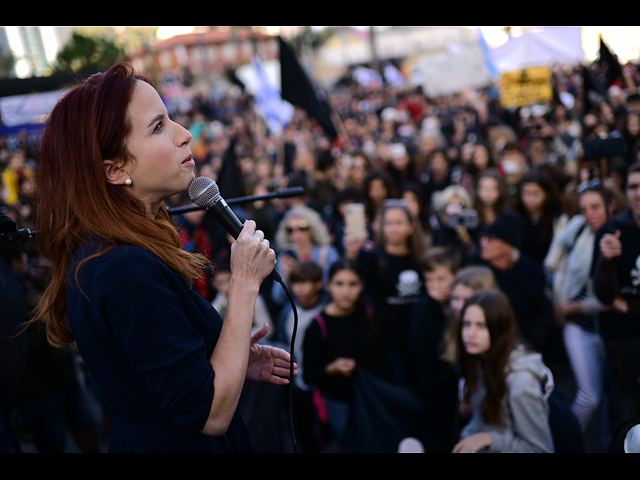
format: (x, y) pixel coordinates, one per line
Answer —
(526, 87)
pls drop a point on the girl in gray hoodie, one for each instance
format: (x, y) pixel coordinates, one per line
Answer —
(505, 384)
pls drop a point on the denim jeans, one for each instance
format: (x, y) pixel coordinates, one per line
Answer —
(586, 354)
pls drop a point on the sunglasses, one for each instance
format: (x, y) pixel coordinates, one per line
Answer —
(395, 202)
(300, 227)
(590, 185)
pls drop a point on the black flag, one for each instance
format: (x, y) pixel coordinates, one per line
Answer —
(297, 89)
(610, 68)
(230, 179)
(383, 414)
(231, 75)
(593, 90)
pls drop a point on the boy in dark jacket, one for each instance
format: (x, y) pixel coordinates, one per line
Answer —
(430, 315)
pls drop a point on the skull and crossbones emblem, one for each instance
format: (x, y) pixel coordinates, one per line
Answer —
(408, 283)
(635, 273)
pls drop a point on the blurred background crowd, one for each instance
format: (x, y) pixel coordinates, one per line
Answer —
(482, 185)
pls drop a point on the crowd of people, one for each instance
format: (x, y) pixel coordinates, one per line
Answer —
(495, 245)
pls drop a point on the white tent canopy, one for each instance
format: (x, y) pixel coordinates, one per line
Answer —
(539, 47)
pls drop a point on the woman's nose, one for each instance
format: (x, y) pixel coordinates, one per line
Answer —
(183, 136)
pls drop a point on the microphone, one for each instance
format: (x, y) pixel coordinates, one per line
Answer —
(205, 193)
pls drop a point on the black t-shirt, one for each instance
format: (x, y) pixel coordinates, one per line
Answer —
(328, 338)
(392, 285)
(620, 276)
(425, 342)
(534, 241)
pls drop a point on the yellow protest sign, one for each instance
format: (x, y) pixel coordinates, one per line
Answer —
(526, 87)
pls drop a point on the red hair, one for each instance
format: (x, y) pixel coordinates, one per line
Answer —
(88, 125)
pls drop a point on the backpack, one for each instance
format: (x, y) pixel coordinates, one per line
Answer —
(318, 399)
(565, 428)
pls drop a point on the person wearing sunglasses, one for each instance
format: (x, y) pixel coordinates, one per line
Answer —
(302, 236)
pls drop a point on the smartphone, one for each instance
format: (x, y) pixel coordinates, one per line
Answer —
(465, 218)
(354, 220)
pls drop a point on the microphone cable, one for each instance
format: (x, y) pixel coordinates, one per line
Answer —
(291, 369)
(204, 192)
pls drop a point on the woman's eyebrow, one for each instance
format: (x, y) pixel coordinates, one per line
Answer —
(158, 117)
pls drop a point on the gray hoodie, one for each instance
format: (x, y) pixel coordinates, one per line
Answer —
(525, 408)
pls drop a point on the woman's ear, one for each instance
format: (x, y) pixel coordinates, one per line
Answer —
(114, 172)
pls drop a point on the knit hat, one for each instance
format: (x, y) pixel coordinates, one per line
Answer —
(508, 228)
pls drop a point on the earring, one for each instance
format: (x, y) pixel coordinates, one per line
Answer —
(127, 181)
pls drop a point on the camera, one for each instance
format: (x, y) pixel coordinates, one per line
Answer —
(467, 218)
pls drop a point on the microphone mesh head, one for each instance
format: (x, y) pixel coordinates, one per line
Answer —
(203, 192)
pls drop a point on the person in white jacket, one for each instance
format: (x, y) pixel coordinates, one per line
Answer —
(506, 384)
(576, 307)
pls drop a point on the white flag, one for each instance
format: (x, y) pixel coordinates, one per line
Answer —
(392, 75)
(367, 77)
(277, 113)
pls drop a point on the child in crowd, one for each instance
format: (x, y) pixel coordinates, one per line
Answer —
(468, 281)
(441, 265)
(430, 314)
(340, 338)
(506, 384)
(220, 282)
(305, 282)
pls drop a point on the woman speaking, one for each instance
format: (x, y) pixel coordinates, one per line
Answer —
(121, 286)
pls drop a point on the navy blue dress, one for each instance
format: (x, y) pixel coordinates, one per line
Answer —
(146, 338)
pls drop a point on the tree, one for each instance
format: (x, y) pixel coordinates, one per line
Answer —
(88, 53)
(7, 61)
(126, 38)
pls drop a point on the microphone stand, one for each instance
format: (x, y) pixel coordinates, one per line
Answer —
(10, 233)
(286, 193)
